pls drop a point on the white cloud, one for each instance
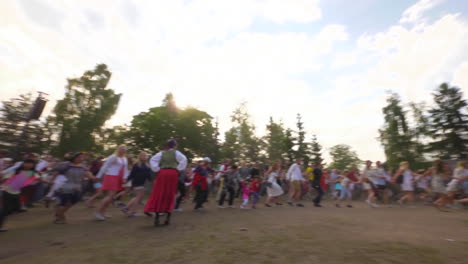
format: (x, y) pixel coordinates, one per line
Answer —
(206, 53)
(416, 12)
(460, 77)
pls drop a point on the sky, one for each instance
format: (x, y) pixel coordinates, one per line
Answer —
(333, 61)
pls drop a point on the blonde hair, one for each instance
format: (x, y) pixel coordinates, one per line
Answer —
(116, 152)
(139, 162)
(404, 165)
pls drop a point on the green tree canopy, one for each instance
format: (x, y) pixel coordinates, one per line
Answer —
(302, 147)
(87, 105)
(13, 122)
(193, 129)
(395, 135)
(448, 125)
(343, 157)
(316, 151)
(275, 140)
(244, 144)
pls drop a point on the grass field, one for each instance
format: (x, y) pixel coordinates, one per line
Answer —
(274, 235)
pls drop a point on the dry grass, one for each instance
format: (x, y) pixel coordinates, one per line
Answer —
(274, 235)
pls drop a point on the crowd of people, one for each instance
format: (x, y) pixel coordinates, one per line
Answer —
(119, 181)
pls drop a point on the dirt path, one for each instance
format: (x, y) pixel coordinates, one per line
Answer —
(274, 235)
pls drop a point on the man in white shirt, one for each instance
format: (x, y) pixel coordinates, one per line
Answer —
(381, 178)
(295, 177)
(367, 180)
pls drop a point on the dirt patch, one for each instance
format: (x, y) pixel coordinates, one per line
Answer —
(267, 235)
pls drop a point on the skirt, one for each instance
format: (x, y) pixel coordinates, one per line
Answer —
(163, 195)
(112, 183)
(274, 190)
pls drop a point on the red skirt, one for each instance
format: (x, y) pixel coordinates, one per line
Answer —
(112, 183)
(163, 195)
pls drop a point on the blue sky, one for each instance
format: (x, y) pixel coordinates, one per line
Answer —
(330, 60)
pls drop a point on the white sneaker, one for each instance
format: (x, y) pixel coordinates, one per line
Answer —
(99, 216)
(179, 210)
(221, 207)
(244, 208)
(108, 216)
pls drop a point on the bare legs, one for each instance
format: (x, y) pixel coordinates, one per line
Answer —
(90, 201)
(135, 201)
(407, 197)
(106, 202)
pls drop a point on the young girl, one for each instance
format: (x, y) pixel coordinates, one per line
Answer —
(255, 187)
(229, 184)
(10, 190)
(437, 183)
(114, 173)
(246, 191)
(455, 184)
(345, 193)
(273, 189)
(407, 185)
(140, 173)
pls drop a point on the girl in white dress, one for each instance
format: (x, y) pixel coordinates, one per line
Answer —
(438, 183)
(274, 190)
(408, 182)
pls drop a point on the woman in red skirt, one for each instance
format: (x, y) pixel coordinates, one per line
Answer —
(167, 164)
(114, 172)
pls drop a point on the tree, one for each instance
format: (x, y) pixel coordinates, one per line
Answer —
(343, 157)
(15, 130)
(192, 128)
(241, 136)
(395, 135)
(448, 123)
(316, 149)
(275, 140)
(420, 131)
(289, 140)
(87, 105)
(303, 148)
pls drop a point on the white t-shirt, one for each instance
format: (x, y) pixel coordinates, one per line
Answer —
(295, 173)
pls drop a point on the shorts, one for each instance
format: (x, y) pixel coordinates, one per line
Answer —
(346, 193)
(68, 198)
(138, 187)
(366, 186)
(420, 190)
(295, 186)
(381, 187)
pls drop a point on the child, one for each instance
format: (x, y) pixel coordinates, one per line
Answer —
(255, 187)
(11, 189)
(246, 191)
(229, 180)
(422, 186)
(345, 191)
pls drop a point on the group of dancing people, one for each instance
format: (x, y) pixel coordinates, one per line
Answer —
(65, 183)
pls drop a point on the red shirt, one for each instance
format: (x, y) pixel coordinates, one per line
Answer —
(255, 186)
(351, 175)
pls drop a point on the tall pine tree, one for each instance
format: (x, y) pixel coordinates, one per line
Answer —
(303, 148)
(449, 123)
(316, 151)
(395, 135)
(275, 140)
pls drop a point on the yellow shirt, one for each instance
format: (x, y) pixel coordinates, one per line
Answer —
(309, 173)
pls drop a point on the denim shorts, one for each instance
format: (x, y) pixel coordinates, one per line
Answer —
(66, 199)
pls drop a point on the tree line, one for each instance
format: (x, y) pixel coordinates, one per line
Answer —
(76, 123)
